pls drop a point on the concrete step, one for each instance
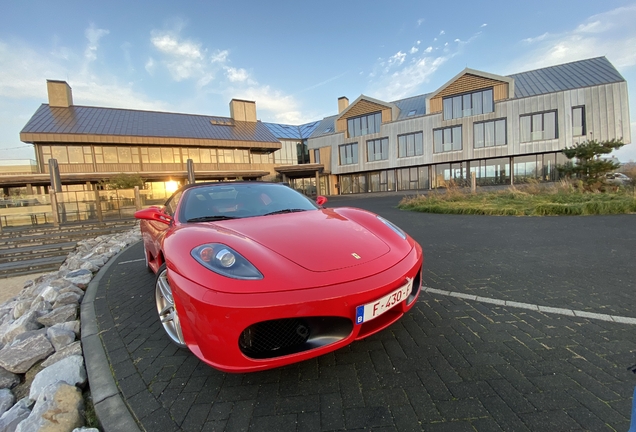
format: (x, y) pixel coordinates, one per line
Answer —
(38, 265)
(36, 251)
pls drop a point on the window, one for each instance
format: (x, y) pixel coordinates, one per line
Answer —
(536, 127)
(480, 102)
(410, 145)
(377, 149)
(447, 139)
(317, 156)
(364, 125)
(411, 113)
(578, 121)
(349, 154)
(490, 133)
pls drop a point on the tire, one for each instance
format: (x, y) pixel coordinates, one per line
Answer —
(166, 310)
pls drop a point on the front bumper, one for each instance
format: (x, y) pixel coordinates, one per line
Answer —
(214, 322)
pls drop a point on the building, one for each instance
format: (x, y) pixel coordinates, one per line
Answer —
(505, 129)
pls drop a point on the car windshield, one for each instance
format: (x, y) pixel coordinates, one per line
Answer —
(214, 202)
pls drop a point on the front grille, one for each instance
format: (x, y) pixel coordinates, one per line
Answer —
(275, 337)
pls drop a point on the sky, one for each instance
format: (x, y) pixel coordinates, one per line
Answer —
(294, 58)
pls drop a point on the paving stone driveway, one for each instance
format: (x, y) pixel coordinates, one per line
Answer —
(449, 365)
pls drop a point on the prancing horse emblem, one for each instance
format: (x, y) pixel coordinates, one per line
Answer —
(355, 255)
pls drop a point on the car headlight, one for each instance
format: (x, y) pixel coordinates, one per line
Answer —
(225, 261)
(395, 228)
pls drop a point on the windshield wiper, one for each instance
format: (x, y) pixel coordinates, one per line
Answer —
(284, 211)
(211, 218)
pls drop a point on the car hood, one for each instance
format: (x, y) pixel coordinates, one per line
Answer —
(321, 240)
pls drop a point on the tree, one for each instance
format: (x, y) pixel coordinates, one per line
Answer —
(587, 162)
(123, 181)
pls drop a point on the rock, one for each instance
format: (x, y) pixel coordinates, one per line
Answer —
(59, 315)
(21, 307)
(23, 324)
(60, 337)
(88, 265)
(10, 419)
(72, 349)
(70, 370)
(85, 429)
(49, 293)
(72, 289)
(6, 400)
(66, 299)
(8, 379)
(19, 357)
(26, 335)
(81, 277)
(58, 408)
(74, 326)
(41, 306)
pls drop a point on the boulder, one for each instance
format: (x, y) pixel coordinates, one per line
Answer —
(60, 337)
(67, 299)
(21, 307)
(19, 357)
(59, 315)
(23, 324)
(73, 349)
(10, 419)
(8, 379)
(70, 370)
(81, 277)
(59, 408)
(6, 400)
(69, 325)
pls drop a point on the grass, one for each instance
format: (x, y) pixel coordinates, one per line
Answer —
(528, 200)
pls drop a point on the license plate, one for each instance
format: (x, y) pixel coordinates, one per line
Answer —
(376, 308)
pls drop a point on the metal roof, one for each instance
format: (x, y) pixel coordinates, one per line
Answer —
(415, 106)
(124, 122)
(284, 131)
(583, 73)
(326, 126)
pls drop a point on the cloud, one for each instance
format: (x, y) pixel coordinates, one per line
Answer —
(428, 50)
(611, 34)
(150, 66)
(483, 25)
(236, 75)
(397, 59)
(420, 21)
(93, 35)
(183, 58)
(413, 50)
(442, 33)
(283, 108)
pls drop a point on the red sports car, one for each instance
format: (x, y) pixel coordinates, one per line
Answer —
(254, 275)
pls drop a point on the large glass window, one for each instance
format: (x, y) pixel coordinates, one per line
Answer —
(537, 127)
(490, 133)
(447, 139)
(377, 149)
(578, 121)
(526, 168)
(317, 156)
(410, 145)
(364, 125)
(348, 154)
(469, 104)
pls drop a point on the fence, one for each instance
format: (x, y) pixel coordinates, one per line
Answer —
(69, 207)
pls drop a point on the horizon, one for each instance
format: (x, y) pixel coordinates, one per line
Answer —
(191, 59)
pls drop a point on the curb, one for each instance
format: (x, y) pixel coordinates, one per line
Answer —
(111, 410)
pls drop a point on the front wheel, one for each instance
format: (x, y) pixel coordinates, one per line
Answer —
(166, 309)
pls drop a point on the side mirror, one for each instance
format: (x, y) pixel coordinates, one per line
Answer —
(153, 214)
(321, 200)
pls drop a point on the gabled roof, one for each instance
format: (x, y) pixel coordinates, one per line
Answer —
(468, 71)
(392, 106)
(84, 120)
(568, 76)
(284, 131)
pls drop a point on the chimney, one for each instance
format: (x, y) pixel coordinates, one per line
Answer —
(60, 93)
(243, 110)
(343, 103)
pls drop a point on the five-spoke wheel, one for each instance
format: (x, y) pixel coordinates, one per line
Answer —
(166, 309)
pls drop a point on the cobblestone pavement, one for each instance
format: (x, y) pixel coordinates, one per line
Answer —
(449, 365)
